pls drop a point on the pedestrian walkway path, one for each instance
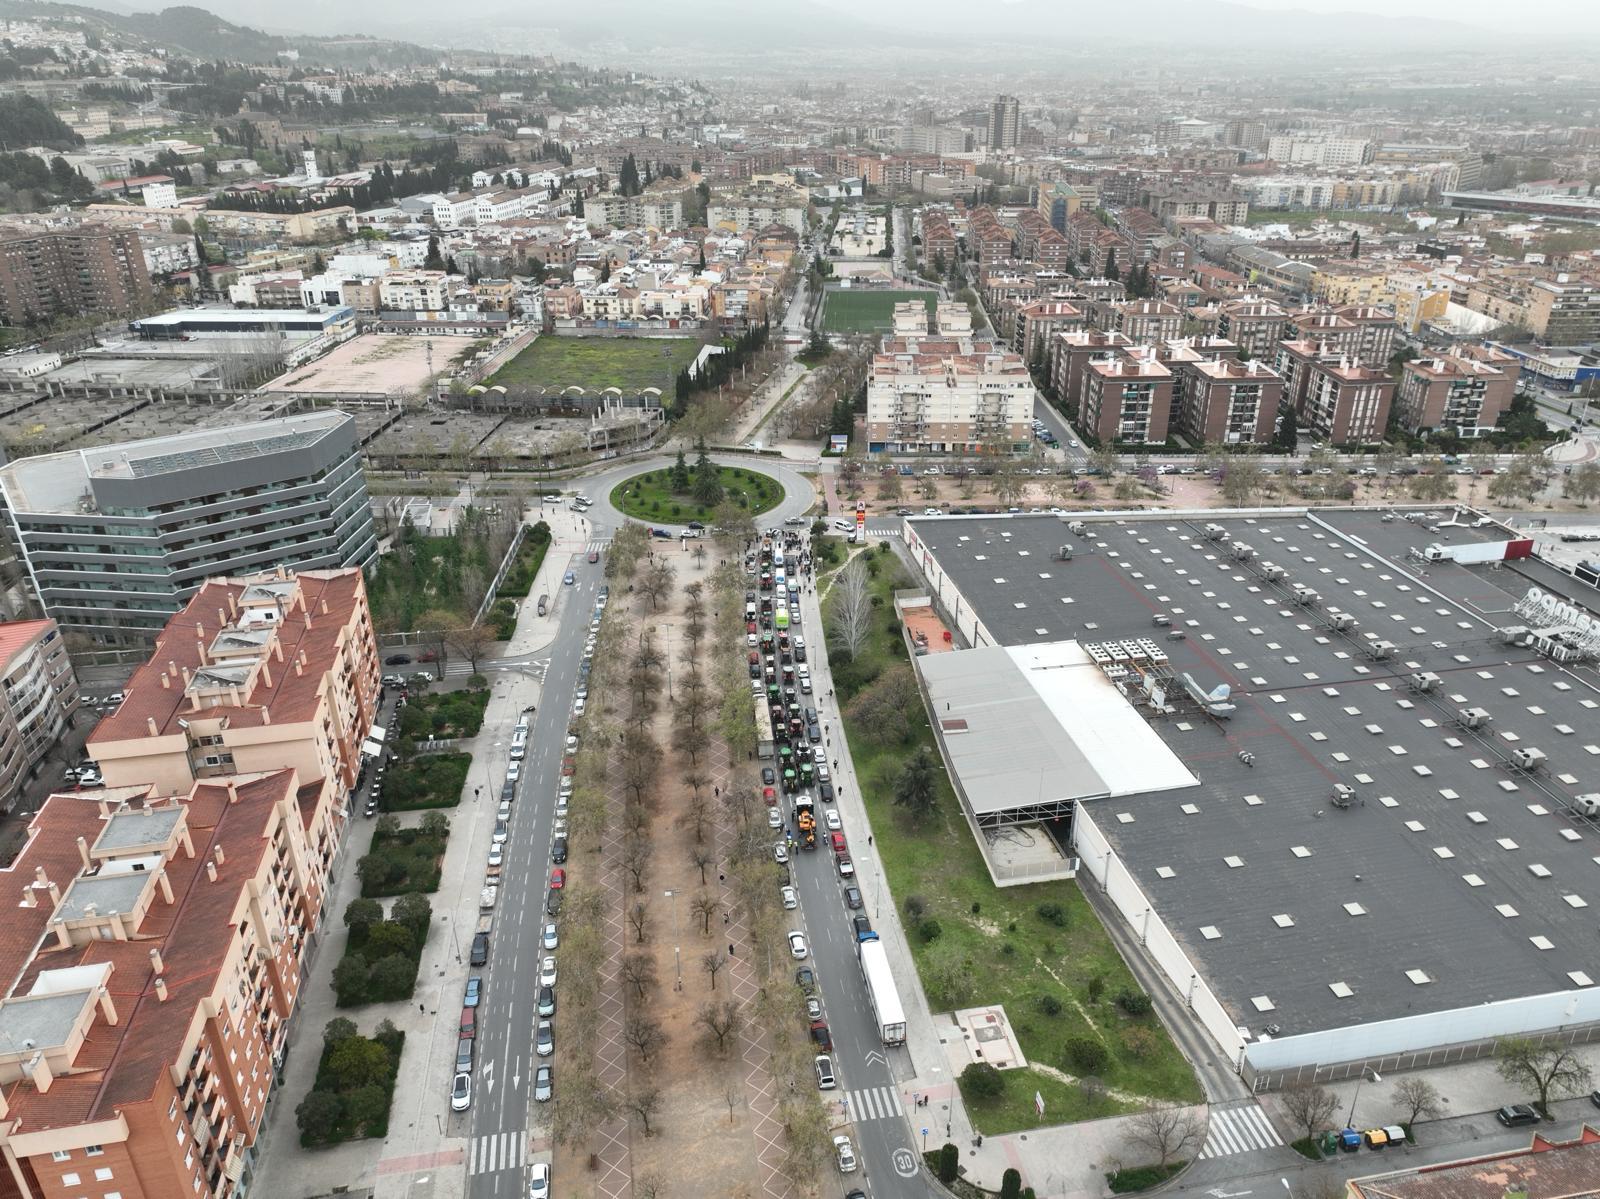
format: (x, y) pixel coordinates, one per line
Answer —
(498, 1151)
(1240, 1128)
(873, 1103)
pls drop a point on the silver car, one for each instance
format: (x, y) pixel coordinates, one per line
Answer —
(544, 1084)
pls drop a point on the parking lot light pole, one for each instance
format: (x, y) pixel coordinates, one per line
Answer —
(1366, 1072)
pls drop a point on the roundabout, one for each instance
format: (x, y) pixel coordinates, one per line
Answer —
(668, 494)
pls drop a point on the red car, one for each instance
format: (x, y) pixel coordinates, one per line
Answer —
(428, 655)
(594, 555)
(836, 841)
(558, 878)
(771, 796)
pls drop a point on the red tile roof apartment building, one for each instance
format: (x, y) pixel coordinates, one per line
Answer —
(254, 674)
(1453, 392)
(1332, 395)
(1127, 398)
(155, 948)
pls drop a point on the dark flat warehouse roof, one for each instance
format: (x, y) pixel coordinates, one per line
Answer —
(1454, 866)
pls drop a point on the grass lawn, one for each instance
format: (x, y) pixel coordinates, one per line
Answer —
(650, 497)
(850, 311)
(994, 946)
(594, 363)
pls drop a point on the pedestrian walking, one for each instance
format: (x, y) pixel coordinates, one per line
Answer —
(730, 949)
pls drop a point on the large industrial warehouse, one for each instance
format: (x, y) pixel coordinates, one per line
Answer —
(1377, 839)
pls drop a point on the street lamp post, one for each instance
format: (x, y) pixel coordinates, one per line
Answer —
(1366, 1072)
(677, 949)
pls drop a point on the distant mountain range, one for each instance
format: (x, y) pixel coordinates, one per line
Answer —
(738, 26)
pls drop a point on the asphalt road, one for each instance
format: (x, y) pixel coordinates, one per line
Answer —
(503, 1079)
(867, 1072)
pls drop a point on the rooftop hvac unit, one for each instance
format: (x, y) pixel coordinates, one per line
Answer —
(1425, 682)
(1565, 653)
(1077, 528)
(1528, 759)
(1215, 532)
(1064, 553)
(1343, 622)
(1343, 795)
(1587, 805)
(1378, 651)
(1472, 718)
(1516, 634)
(1304, 595)
(1272, 571)
(1242, 552)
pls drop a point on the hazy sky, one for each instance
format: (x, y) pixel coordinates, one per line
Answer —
(1577, 15)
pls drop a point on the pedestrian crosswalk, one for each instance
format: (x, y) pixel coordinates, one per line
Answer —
(871, 1103)
(1239, 1129)
(599, 543)
(498, 1151)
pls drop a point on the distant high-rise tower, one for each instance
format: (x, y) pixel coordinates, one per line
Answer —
(1004, 122)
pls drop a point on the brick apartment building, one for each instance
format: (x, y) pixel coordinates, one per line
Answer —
(1375, 341)
(158, 945)
(1228, 402)
(1036, 323)
(1127, 398)
(38, 696)
(83, 268)
(938, 240)
(1333, 395)
(1068, 353)
(1150, 321)
(987, 239)
(1453, 392)
(274, 670)
(1256, 325)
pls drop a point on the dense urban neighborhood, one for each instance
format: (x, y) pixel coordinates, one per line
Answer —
(807, 604)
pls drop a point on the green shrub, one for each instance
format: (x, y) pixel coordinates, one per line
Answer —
(1053, 913)
(929, 930)
(1086, 1055)
(914, 905)
(1096, 987)
(1135, 1003)
(1011, 1184)
(1049, 1004)
(1141, 1178)
(980, 1080)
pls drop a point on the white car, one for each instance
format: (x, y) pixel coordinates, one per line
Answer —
(539, 1181)
(551, 937)
(780, 853)
(797, 944)
(572, 742)
(547, 971)
(497, 855)
(834, 823)
(818, 754)
(500, 832)
(845, 1154)
(791, 899)
(774, 818)
(578, 706)
(513, 771)
(822, 772)
(461, 1093)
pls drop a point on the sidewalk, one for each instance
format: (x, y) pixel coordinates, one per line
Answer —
(423, 1155)
(766, 399)
(1062, 1160)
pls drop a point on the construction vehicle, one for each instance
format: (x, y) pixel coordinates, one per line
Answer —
(805, 820)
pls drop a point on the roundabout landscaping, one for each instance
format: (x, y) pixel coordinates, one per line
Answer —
(679, 493)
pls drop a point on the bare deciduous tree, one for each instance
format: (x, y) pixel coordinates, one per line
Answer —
(645, 1035)
(713, 961)
(655, 584)
(1165, 1131)
(721, 1021)
(703, 857)
(1309, 1107)
(704, 905)
(699, 809)
(639, 917)
(851, 620)
(639, 972)
(1419, 1098)
(636, 853)
(643, 1101)
(1547, 1069)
